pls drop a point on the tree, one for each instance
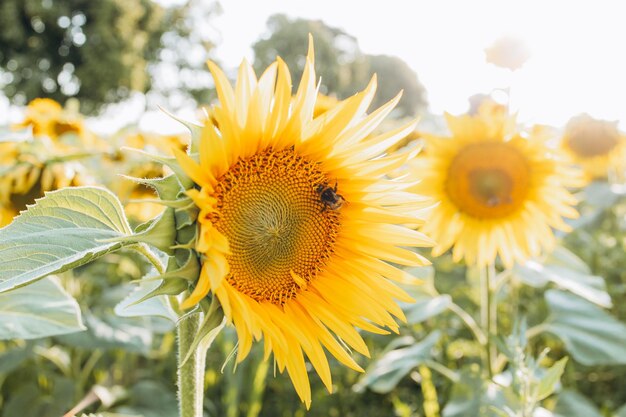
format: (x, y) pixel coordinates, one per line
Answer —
(96, 51)
(343, 68)
(394, 75)
(338, 59)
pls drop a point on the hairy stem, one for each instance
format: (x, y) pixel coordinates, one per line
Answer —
(191, 373)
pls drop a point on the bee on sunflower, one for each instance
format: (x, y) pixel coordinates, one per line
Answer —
(299, 227)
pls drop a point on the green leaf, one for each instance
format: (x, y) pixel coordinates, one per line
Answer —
(384, 374)
(564, 257)
(572, 404)
(473, 396)
(551, 378)
(151, 399)
(29, 399)
(111, 332)
(38, 310)
(65, 229)
(566, 270)
(591, 335)
(13, 359)
(589, 287)
(426, 307)
(135, 306)
(621, 412)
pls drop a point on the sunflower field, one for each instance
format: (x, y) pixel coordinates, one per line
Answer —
(300, 235)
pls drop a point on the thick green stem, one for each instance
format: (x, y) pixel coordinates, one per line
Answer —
(191, 373)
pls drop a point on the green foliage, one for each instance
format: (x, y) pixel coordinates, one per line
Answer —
(385, 373)
(38, 310)
(338, 61)
(65, 229)
(395, 75)
(343, 68)
(572, 404)
(96, 51)
(592, 336)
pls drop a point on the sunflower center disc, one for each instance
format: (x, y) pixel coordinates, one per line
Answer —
(280, 233)
(488, 180)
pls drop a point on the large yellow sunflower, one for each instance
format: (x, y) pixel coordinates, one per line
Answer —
(297, 220)
(596, 145)
(500, 192)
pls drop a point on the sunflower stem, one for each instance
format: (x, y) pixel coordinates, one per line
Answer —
(488, 318)
(191, 372)
(156, 262)
(469, 322)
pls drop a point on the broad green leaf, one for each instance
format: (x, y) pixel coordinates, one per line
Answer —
(426, 307)
(384, 374)
(572, 404)
(13, 359)
(589, 287)
(158, 306)
(428, 302)
(107, 330)
(551, 378)
(566, 270)
(591, 335)
(38, 310)
(63, 230)
(111, 331)
(561, 256)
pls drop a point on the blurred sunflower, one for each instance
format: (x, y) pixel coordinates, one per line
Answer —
(27, 179)
(47, 161)
(46, 117)
(297, 220)
(596, 145)
(132, 193)
(323, 103)
(499, 192)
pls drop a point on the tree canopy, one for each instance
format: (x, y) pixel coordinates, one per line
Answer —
(96, 51)
(343, 68)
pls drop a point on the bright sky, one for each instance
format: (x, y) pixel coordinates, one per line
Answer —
(578, 60)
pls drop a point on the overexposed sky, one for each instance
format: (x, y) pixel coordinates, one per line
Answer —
(578, 61)
(578, 46)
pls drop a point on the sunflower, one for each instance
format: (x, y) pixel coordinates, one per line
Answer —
(297, 221)
(28, 179)
(500, 192)
(46, 117)
(323, 103)
(596, 145)
(130, 192)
